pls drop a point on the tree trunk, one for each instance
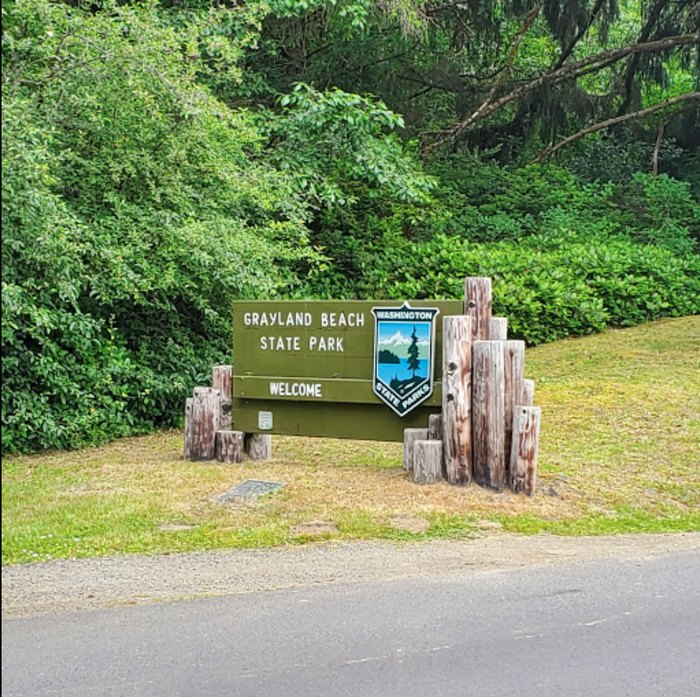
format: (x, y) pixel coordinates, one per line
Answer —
(427, 461)
(456, 398)
(523, 455)
(410, 436)
(488, 414)
(229, 446)
(477, 304)
(221, 379)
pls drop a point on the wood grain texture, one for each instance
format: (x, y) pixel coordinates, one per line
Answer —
(225, 415)
(427, 461)
(410, 436)
(221, 379)
(435, 427)
(514, 366)
(188, 428)
(488, 414)
(258, 446)
(528, 396)
(499, 329)
(456, 398)
(477, 305)
(205, 423)
(522, 477)
(229, 446)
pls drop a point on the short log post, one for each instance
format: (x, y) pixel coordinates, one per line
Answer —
(222, 380)
(427, 461)
(514, 365)
(499, 329)
(188, 428)
(229, 446)
(205, 423)
(488, 414)
(435, 427)
(522, 476)
(528, 398)
(456, 398)
(258, 446)
(477, 304)
(410, 436)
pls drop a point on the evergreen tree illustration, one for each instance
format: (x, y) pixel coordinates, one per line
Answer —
(413, 362)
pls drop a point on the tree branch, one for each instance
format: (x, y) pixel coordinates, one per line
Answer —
(581, 32)
(545, 154)
(563, 74)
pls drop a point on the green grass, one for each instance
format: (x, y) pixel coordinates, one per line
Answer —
(619, 452)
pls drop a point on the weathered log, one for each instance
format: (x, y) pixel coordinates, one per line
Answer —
(477, 304)
(528, 398)
(427, 461)
(225, 415)
(258, 446)
(499, 329)
(523, 455)
(435, 427)
(514, 365)
(229, 446)
(205, 423)
(188, 428)
(456, 398)
(221, 379)
(488, 414)
(410, 436)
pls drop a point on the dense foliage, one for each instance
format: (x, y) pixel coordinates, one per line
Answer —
(161, 159)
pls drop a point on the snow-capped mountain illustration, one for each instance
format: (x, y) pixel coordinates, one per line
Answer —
(398, 340)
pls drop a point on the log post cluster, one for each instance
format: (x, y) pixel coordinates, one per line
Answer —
(208, 421)
(489, 427)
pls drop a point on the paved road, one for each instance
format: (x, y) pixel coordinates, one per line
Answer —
(602, 627)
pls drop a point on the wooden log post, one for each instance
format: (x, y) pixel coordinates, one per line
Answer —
(488, 414)
(222, 380)
(410, 436)
(435, 427)
(514, 366)
(205, 423)
(456, 398)
(427, 461)
(188, 428)
(522, 476)
(528, 398)
(258, 446)
(477, 304)
(229, 446)
(499, 329)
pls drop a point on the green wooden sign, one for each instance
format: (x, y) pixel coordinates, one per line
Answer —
(341, 369)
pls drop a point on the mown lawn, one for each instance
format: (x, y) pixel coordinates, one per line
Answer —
(620, 452)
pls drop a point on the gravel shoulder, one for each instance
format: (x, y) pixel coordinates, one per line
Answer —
(86, 584)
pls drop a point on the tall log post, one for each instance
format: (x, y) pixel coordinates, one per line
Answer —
(410, 436)
(488, 414)
(435, 427)
(427, 461)
(523, 455)
(258, 446)
(514, 365)
(222, 380)
(456, 398)
(205, 422)
(188, 428)
(477, 304)
(499, 329)
(528, 398)
(229, 446)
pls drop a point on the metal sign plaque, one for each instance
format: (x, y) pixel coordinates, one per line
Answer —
(404, 348)
(315, 368)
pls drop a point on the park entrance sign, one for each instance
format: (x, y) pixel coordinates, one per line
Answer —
(342, 369)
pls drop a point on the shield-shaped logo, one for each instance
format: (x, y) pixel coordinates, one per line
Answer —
(404, 348)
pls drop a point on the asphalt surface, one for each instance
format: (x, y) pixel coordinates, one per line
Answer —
(621, 624)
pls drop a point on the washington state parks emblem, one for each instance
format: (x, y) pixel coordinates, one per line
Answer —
(404, 348)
